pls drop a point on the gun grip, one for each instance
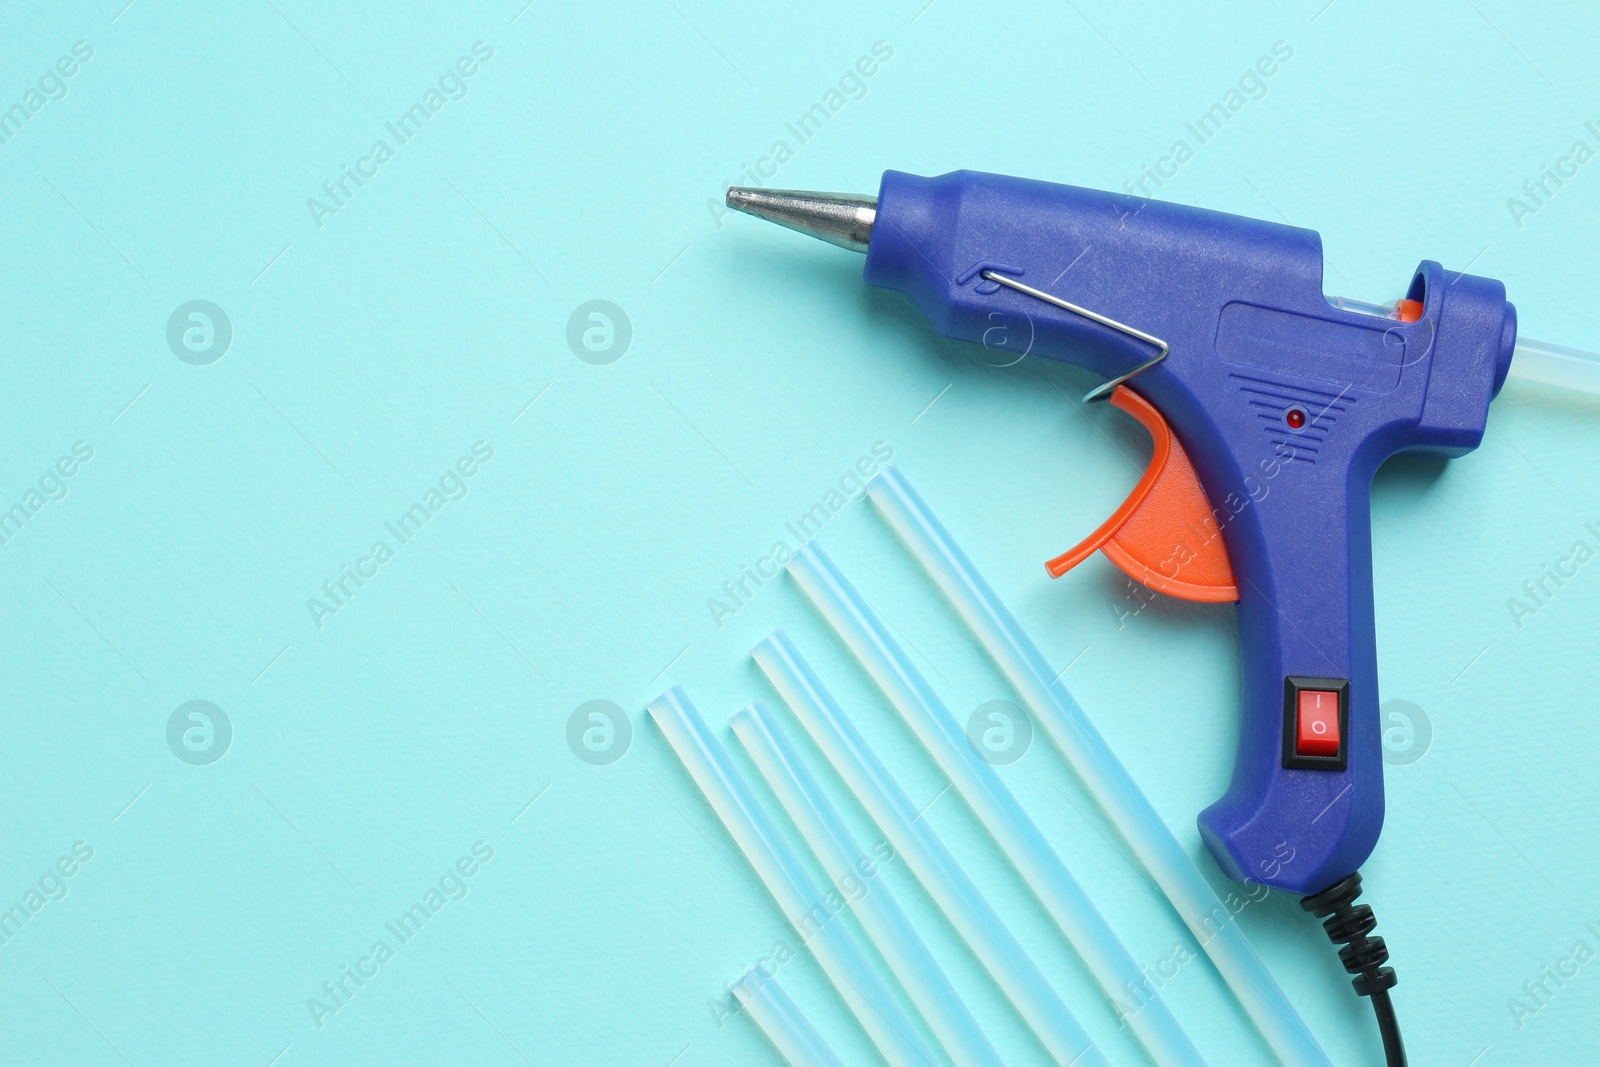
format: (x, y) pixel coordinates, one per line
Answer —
(1305, 804)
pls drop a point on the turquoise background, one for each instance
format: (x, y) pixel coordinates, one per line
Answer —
(585, 162)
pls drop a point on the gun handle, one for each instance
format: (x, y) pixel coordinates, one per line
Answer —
(1305, 805)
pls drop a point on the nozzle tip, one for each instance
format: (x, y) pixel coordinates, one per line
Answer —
(843, 219)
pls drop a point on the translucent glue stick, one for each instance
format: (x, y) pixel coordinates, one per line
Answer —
(790, 1032)
(1134, 997)
(844, 860)
(1535, 361)
(790, 884)
(994, 945)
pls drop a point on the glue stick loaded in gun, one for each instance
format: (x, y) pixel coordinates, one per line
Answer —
(1270, 407)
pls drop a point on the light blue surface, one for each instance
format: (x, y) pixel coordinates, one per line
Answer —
(371, 755)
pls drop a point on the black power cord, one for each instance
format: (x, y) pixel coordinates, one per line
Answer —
(1348, 924)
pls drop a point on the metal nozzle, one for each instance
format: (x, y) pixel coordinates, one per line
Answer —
(843, 219)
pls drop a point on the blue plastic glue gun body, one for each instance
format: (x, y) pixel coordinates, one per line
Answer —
(1271, 410)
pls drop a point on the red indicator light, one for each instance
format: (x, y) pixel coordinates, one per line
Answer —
(1295, 418)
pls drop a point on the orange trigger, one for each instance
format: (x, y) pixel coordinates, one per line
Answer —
(1164, 534)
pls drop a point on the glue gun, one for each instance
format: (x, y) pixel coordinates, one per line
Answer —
(1270, 408)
